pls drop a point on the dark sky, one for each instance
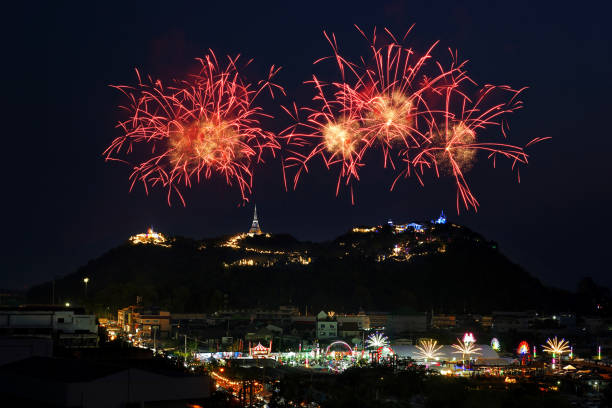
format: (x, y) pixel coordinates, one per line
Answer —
(68, 206)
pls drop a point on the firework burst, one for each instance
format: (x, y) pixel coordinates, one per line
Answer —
(377, 340)
(466, 349)
(418, 113)
(429, 349)
(555, 346)
(204, 125)
(379, 104)
(453, 138)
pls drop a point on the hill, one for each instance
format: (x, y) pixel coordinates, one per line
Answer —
(432, 266)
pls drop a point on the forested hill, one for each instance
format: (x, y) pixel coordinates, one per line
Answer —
(441, 267)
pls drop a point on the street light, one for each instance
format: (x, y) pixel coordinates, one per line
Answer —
(86, 281)
(67, 304)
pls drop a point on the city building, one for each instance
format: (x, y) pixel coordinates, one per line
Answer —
(361, 320)
(596, 324)
(443, 321)
(264, 334)
(378, 320)
(486, 322)
(282, 314)
(407, 323)
(67, 327)
(304, 327)
(349, 329)
(327, 325)
(255, 229)
(512, 321)
(188, 322)
(143, 321)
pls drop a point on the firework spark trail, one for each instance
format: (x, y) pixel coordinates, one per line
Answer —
(379, 105)
(203, 125)
(426, 122)
(454, 140)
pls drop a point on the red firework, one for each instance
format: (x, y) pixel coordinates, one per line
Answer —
(453, 137)
(203, 125)
(373, 106)
(427, 121)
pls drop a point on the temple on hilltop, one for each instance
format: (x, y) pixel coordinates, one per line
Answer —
(441, 219)
(150, 237)
(255, 230)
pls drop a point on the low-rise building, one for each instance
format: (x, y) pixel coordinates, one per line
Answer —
(378, 320)
(188, 322)
(512, 321)
(443, 321)
(349, 330)
(407, 323)
(67, 326)
(361, 319)
(138, 319)
(282, 314)
(486, 322)
(596, 324)
(327, 325)
(305, 327)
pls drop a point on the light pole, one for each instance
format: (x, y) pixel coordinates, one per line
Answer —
(86, 281)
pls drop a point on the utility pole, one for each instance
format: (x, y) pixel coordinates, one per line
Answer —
(53, 291)
(154, 339)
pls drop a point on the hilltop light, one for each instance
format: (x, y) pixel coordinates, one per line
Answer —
(150, 237)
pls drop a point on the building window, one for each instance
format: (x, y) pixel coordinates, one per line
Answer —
(322, 326)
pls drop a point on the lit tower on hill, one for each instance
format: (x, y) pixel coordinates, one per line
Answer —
(255, 230)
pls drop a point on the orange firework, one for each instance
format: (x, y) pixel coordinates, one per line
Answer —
(203, 125)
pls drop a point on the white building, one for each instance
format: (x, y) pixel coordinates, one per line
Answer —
(68, 327)
(327, 325)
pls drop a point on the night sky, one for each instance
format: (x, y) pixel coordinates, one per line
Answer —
(68, 206)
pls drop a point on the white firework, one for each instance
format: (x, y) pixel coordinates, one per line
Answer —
(377, 340)
(429, 350)
(466, 349)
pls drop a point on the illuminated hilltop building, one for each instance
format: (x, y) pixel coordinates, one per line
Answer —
(441, 219)
(150, 237)
(255, 230)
